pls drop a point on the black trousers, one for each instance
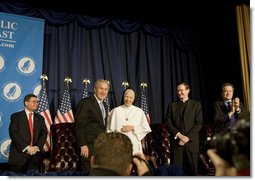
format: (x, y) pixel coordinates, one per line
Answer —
(84, 164)
(186, 159)
(33, 163)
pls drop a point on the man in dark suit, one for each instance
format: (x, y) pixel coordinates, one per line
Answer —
(90, 121)
(227, 110)
(27, 139)
(184, 119)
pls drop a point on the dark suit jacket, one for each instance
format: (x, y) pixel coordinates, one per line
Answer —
(88, 122)
(221, 118)
(20, 135)
(192, 121)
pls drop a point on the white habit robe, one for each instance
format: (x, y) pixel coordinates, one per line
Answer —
(132, 115)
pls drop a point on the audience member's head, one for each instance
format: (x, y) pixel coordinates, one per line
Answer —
(113, 151)
(241, 152)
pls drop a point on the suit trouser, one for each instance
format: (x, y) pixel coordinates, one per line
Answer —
(186, 159)
(33, 163)
(85, 162)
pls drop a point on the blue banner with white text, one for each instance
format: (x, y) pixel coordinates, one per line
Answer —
(21, 56)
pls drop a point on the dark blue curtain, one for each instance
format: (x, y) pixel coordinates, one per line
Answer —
(80, 46)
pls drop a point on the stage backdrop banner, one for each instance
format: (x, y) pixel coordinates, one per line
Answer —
(21, 55)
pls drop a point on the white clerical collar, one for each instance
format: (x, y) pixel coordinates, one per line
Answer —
(183, 101)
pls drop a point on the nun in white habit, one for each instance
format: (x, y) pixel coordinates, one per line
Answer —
(129, 120)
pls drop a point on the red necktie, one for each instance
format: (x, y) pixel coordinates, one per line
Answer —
(31, 127)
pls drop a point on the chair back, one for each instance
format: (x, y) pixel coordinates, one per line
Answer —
(64, 153)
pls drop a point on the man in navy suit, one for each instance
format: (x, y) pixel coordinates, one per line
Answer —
(227, 110)
(184, 119)
(25, 149)
(90, 121)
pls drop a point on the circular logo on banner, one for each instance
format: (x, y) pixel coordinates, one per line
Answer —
(2, 63)
(26, 66)
(37, 88)
(5, 148)
(11, 91)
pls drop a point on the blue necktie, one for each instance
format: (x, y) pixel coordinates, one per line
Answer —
(102, 110)
(229, 105)
(232, 119)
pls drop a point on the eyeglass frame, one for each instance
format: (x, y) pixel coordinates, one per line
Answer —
(37, 102)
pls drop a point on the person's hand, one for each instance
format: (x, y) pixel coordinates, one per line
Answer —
(181, 143)
(236, 104)
(183, 139)
(232, 110)
(31, 150)
(222, 167)
(140, 163)
(127, 128)
(85, 151)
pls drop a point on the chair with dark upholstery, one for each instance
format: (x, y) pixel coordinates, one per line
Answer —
(157, 145)
(205, 166)
(64, 153)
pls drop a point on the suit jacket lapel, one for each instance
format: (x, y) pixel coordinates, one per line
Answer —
(35, 126)
(178, 110)
(26, 124)
(100, 115)
(97, 106)
(188, 106)
(186, 112)
(224, 107)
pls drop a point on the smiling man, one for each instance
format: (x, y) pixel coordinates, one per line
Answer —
(184, 119)
(28, 133)
(90, 121)
(227, 110)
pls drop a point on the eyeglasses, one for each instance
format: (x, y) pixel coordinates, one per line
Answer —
(35, 102)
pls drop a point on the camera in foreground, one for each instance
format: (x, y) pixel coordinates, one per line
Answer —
(234, 146)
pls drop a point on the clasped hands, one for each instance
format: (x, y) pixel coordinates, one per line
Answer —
(183, 139)
(236, 104)
(127, 128)
(235, 107)
(31, 150)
